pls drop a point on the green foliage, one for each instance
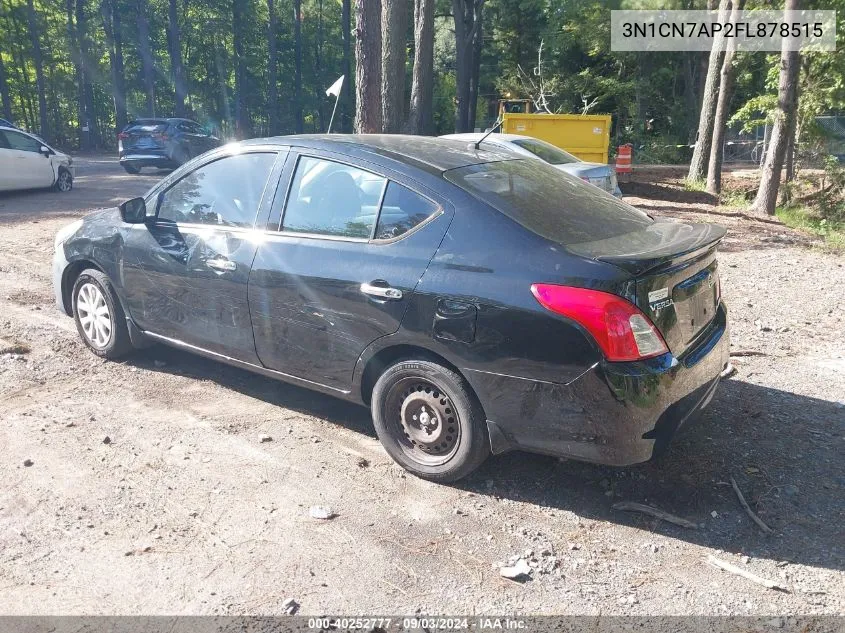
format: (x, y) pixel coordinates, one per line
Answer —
(807, 220)
(653, 97)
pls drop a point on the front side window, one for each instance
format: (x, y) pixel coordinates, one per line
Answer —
(401, 211)
(226, 192)
(22, 142)
(329, 198)
(546, 151)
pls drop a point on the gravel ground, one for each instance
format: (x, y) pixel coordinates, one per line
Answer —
(171, 484)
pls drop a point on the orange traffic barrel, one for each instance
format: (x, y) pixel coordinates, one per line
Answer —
(623, 159)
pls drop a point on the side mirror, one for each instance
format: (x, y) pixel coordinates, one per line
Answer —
(46, 151)
(134, 211)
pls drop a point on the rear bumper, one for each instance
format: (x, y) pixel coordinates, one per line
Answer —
(148, 158)
(615, 413)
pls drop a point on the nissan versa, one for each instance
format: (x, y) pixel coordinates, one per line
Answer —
(476, 301)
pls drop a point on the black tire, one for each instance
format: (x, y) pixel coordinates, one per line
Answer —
(401, 393)
(64, 181)
(131, 169)
(117, 343)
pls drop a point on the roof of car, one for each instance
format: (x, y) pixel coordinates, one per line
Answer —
(148, 120)
(495, 136)
(427, 152)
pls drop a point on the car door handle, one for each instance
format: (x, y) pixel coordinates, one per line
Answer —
(382, 292)
(221, 264)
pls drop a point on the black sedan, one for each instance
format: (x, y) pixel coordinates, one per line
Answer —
(162, 143)
(477, 302)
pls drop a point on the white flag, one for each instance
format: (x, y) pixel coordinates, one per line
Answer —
(334, 89)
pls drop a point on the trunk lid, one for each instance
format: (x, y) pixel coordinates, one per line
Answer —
(144, 135)
(676, 275)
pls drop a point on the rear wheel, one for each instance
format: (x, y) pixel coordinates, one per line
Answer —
(99, 316)
(131, 169)
(64, 182)
(429, 421)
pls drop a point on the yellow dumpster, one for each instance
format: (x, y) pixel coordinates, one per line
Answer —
(585, 135)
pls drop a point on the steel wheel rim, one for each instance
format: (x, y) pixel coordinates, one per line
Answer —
(94, 315)
(424, 421)
(64, 181)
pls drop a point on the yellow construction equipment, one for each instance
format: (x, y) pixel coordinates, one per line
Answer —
(587, 136)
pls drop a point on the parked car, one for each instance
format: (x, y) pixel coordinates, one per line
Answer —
(27, 162)
(162, 143)
(598, 174)
(476, 301)
(7, 123)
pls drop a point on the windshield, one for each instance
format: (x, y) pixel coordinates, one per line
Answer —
(548, 152)
(549, 202)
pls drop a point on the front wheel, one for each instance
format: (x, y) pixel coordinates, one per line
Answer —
(131, 169)
(64, 182)
(99, 316)
(429, 421)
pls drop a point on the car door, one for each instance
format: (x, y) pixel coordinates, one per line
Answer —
(185, 271)
(28, 166)
(337, 272)
(7, 183)
(202, 138)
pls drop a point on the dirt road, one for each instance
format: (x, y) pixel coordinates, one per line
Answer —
(152, 487)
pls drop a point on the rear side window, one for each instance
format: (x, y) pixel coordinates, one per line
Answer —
(226, 192)
(401, 211)
(329, 198)
(549, 202)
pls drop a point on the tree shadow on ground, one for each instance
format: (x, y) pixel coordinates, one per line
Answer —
(651, 191)
(783, 449)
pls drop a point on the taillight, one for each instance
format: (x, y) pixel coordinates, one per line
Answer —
(621, 330)
(122, 136)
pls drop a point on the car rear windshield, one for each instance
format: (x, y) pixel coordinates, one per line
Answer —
(546, 151)
(549, 202)
(139, 127)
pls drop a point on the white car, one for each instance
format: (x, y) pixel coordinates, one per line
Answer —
(599, 174)
(27, 162)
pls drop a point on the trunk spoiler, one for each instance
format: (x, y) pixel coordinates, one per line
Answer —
(658, 244)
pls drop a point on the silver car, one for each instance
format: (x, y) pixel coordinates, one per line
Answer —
(599, 174)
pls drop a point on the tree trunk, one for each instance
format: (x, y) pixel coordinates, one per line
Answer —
(477, 45)
(242, 121)
(368, 113)
(5, 96)
(690, 93)
(348, 101)
(467, 15)
(299, 123)
(146, 53)
(789, 160)
(394, 18)
(114, 46)
(422, 88)
(720, 121)
(174, 41)
(319, 95)
(87, 73)
(38, 58)
(273, 69)
(21, 71)
(701, 153)
(785, 121)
